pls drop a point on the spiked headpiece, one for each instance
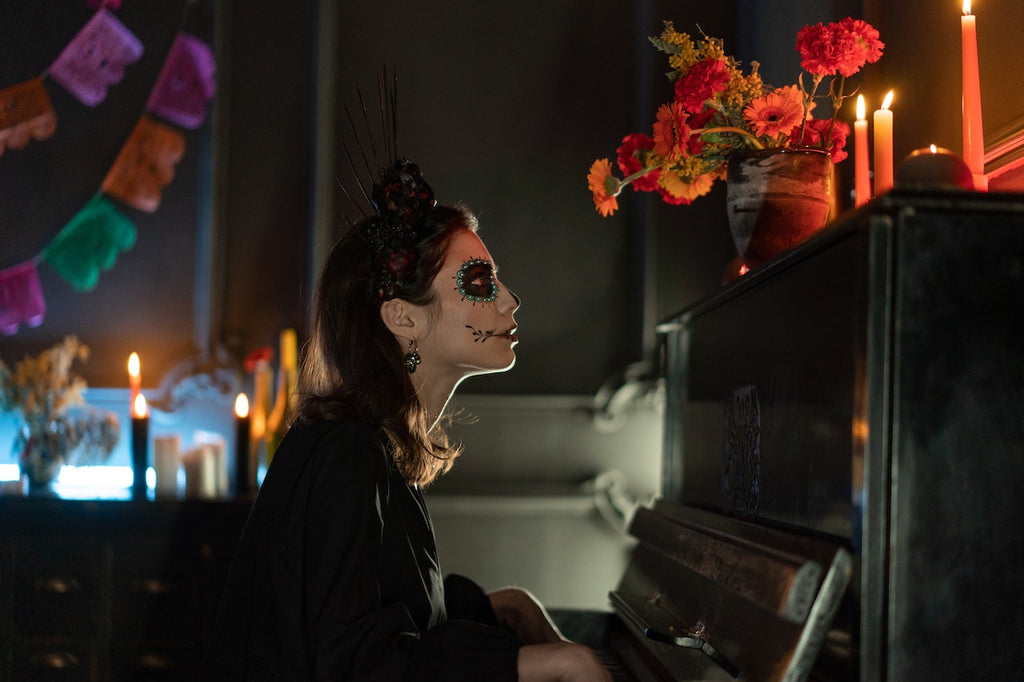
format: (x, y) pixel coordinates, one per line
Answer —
(399, 198)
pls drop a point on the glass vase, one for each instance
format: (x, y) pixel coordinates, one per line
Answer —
(776, 199)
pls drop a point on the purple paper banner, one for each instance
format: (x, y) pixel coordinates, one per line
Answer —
(186, 83)
(96, 58)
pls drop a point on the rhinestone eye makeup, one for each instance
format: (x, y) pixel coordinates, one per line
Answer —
(475, 281)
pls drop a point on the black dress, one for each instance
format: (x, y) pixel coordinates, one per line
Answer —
(336, 576)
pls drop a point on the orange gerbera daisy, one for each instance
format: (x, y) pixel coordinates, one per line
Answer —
(678, 191)
(605, 187)
(773, 113)
(671, 131)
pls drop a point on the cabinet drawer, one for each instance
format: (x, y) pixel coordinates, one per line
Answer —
(151, 600)
(155, 663)
(154, 587)
(56, 591)
(55, 601)
(53, 661)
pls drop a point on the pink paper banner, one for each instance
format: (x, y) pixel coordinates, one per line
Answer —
(21, 298)
(25, 113)
(96, 58)
(186, 83)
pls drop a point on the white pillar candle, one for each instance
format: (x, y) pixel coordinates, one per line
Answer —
(200, 472)
(218, 449)
(165, 463)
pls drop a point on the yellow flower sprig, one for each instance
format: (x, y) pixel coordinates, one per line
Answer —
(43, 387)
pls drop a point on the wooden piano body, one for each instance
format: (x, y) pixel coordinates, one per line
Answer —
(843, 488)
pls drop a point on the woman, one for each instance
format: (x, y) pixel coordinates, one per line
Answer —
(336, 576)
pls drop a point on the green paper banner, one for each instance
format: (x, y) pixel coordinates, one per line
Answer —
(90, 242)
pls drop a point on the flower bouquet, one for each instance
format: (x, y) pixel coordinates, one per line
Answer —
(717, 110)
(57, 426)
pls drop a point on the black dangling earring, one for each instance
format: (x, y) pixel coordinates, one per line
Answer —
(412, 358)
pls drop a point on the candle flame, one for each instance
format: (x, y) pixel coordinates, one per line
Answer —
(861, 108)
(134, 366)
(967, 7)
(887, 101)
(241, 406)
(139, 408)
(933, 149)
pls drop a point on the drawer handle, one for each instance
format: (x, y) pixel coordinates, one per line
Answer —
(152, 661)
(55, 660)
(154, 586)
(57, 584)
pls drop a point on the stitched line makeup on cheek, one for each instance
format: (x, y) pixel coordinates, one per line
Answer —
(482, 335)
(475, 281)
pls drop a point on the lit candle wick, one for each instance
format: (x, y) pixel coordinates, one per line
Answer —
(139, 408)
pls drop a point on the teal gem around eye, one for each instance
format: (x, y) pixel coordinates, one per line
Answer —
(475, 281)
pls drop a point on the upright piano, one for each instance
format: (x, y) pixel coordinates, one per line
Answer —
(843, 475)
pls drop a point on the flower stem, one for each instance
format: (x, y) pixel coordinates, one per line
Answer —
(730, 129)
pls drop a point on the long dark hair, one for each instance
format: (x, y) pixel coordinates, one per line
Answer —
(353, 366)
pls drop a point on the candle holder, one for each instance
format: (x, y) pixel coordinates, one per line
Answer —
(140, 455)
(934, 167)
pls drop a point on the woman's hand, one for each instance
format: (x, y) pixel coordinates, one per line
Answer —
(525, 616)
(560, 662)
(546, 656)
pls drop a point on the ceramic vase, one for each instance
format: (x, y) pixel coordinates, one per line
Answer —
(776, 199)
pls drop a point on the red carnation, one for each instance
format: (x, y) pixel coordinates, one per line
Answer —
(704, 80)
(838, 48)
(629, 161)
(867, 37)
(817, 130)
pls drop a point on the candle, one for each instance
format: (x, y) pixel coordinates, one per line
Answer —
(140, 446)
(883, 146)
(934, 167)
(216, 481)
(134, 377)
(258, 363)
(244, 471)
(974, 137)
(861, 168)
(165, 462)
(200, 472)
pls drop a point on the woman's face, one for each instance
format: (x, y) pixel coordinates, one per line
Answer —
(473, 328)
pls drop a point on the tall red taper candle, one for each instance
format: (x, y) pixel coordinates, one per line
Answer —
(974, 136)
(861, 165)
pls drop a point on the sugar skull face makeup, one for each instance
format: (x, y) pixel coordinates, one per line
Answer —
(475, 281)
(471, 327)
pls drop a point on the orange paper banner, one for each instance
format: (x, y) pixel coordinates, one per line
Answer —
(145, 165)
(25, 113)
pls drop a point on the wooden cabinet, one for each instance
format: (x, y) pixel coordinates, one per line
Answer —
(111, 591)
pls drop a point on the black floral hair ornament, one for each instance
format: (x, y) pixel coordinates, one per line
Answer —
(399, 197)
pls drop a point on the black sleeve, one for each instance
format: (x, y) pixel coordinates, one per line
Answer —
(351, 634)
(464, 651)
(464, 599)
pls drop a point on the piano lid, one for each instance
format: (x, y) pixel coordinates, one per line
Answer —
(710, 597)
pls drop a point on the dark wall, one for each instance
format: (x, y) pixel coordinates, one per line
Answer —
(504, 110)
(145, 302)
(922, 65)
(219, 266)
